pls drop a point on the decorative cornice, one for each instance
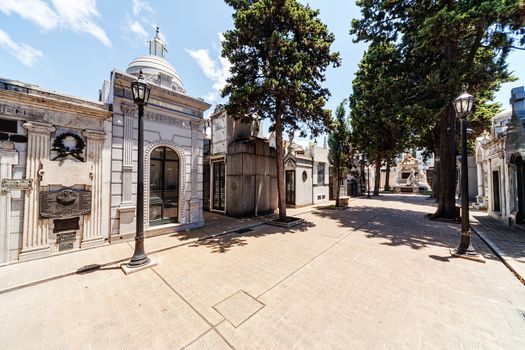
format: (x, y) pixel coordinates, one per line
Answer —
(93, 135)
(160, 91)
(168, 120)
(128, 110)
(56, 104)
(39, 128)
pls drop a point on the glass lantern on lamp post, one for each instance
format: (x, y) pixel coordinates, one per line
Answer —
(463, 105)
(141, 91)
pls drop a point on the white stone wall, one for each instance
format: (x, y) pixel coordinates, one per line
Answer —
(321, 191)
(41, 116)
(303, 194)
(171, 124)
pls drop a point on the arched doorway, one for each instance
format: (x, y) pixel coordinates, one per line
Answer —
(164, 172)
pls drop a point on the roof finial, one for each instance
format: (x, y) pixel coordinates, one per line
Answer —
(157, 47)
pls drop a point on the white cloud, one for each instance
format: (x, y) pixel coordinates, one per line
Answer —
(141, 5)
(36, 11)
(75, 15)
(78, 15)
(137, 28)
(23, 52)
(215, 70)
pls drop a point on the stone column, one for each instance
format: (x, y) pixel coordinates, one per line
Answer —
(127, 206)
(92, 234)
(8, 158)
(127, 157)
(195, 201)
(481, 186)
(35, 234)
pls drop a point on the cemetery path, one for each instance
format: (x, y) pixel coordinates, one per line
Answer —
(376, 275)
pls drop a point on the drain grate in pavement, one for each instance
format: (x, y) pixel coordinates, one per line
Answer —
(243, 230)
(238, 308)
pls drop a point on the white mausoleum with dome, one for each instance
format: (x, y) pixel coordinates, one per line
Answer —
(173, 139)
(68, 166)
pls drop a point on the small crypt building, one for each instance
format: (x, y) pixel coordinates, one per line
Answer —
(240, 168)
(500, 165)
(55, 155)
(173, 148)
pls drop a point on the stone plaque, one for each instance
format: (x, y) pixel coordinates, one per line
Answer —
(64, 203)
(61, 225)
(66, 246)
(66, 237)
(66, 173)
(9, 185)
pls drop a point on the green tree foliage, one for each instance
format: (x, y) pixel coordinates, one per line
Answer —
(340, 152)
(446, 44)
(279, 51)
(380, 117)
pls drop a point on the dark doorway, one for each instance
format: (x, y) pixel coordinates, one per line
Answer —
(290, 187)
(495, 191)
(520, 182)
(218, 185)
(163, 186)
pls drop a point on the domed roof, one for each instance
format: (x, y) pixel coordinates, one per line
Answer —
(155, 68)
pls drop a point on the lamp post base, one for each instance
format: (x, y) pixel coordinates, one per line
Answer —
(468, 254)
(128, 268)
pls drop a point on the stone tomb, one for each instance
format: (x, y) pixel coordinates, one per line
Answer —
(54, 170)
(408, 178)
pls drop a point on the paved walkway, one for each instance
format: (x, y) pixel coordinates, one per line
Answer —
(25, 273)
(507, 242)
(377, 275)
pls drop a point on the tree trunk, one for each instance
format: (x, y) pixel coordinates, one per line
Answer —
(387, 176)
(280, 165)
(447, 166)
(338, 194)
(435, 181)
(377, 180)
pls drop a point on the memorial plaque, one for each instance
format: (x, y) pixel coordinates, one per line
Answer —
(66, 237)
(66, 246)
(64, 203)
(61, 225)
(9, 185)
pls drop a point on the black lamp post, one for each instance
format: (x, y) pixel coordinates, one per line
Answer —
(463, 106)
(141, 91)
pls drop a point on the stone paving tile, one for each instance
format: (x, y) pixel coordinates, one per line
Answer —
(211, 340)
(377, 275)
(20, 274)
(508, 241)
(238, 308)
(391, 290)
(42, 269)
(100, 310)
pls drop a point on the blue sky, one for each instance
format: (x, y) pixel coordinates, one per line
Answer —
(72, 45)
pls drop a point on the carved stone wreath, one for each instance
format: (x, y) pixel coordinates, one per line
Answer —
(64, 150)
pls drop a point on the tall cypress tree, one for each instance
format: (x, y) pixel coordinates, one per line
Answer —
(340, 152)
(447, 44)
(279, 51)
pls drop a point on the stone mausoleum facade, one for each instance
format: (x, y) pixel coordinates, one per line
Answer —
(68, 166)
(173, 138)
(500, 163)
(55, 157)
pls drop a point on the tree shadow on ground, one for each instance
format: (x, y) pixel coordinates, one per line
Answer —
(224, 243)
(400, 227)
